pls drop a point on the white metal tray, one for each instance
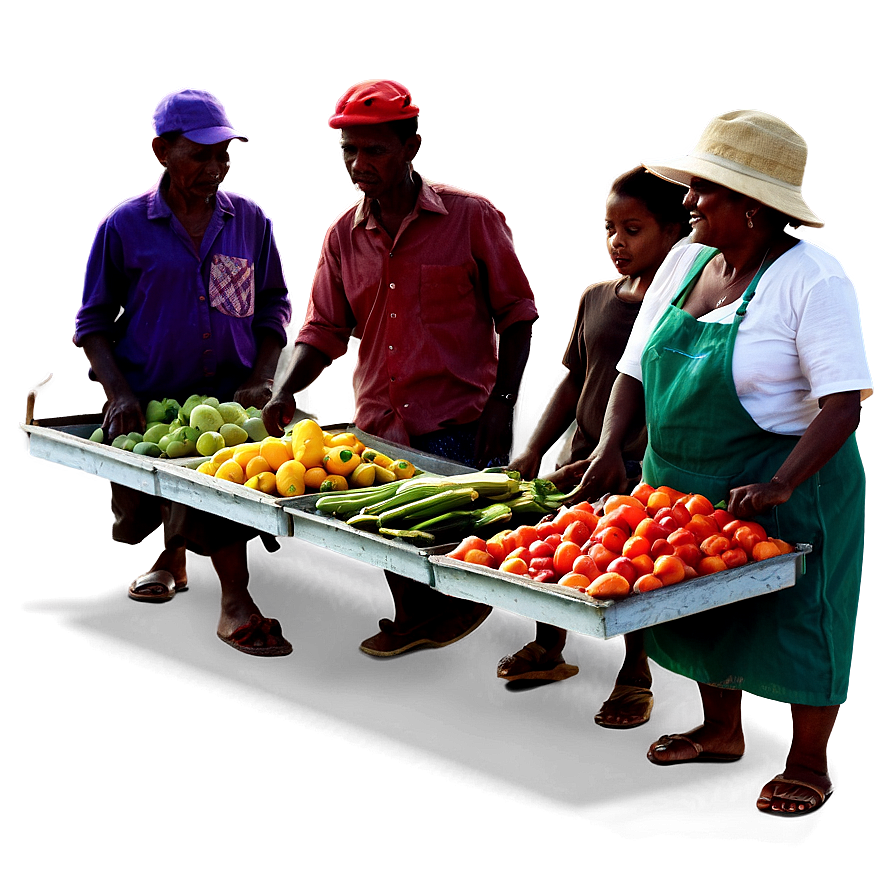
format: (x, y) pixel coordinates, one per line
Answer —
(570, 609)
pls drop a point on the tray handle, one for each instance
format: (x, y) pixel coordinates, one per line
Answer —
(32, 397)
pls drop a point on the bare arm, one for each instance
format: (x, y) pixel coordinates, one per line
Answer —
(122, 412)
(558, 414)
(256, 391)
(495, 434)
(305, 366)
(837, 420)
(605, 470)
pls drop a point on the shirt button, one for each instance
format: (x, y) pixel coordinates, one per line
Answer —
(201, 298)
(392, 314)
(391, 286)
(406, 405)
(206, 335)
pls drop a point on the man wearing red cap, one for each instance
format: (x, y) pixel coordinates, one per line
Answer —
(425, 275)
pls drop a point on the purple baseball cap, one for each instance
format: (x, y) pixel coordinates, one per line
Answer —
(197, 115)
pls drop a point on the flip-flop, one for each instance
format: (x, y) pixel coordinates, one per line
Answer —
(389, 641)
(532, 663)
(629, 697)
(259, 629)
(823, 797)
(700, 755)
(154, 587)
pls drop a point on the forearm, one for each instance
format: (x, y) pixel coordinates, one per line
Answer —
(268, 357)
(98, 349)
(624, 414)
(305, 365)
(825, 436)
(513, 353)
(558, 414)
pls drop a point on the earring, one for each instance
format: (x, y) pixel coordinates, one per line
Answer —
(750, 218)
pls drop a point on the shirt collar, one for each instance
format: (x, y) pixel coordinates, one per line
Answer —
(428, 200)
(158, 208)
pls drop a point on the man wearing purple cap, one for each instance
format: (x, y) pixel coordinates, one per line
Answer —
(184, 294)
(425, 275)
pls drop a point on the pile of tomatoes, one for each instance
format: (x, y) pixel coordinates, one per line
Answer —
(636, 543)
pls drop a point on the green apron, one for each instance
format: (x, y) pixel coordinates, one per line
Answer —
(793, 645)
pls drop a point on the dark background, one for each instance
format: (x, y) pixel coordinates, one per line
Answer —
(144, 755)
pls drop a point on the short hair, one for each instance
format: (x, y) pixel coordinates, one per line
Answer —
(662, 197)
(404, 129)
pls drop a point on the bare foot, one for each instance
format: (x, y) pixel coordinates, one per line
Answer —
(173, 560)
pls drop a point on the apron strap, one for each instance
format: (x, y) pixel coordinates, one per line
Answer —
(751, 289)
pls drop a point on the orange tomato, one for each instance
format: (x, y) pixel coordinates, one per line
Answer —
(496, 547)
(613, 539)
(642, 491)
(709, 565)
(650, 529)
(585, 566)
(690, 554)
(521, 552)
(745, 537)
(783, 546)
(514, 565)
(565, 556)
(659, 547)
(735, 557)
(673, 493)
(526, 535)
(481, 558)
(574, 580)
(669, 569)
(657, 500)
(602, 556)
(643, 563)
(635, 545)
(609, 584)
(576, 532)
(648, 582)
(467, 544)
(702, 526)
(715, 545)
(699, 504)
(762, 550)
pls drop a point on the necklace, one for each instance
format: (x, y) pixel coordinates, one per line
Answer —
(741, 277)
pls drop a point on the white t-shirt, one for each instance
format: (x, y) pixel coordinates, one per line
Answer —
(800, 340)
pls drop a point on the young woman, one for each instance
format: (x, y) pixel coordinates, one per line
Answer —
(645, 218)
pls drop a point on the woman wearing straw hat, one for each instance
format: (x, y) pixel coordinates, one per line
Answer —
(748, 362)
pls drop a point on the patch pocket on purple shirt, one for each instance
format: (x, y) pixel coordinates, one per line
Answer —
(231, 287)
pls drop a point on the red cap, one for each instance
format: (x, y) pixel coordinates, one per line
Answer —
(373, 102)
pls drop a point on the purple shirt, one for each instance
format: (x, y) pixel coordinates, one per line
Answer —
(180, 322)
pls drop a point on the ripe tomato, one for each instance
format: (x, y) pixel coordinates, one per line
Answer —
(576, 532)
(481, 558)
(574, 580)
(699, 504)
(659, 547)
(635, 545)
(762, 550)
(657, 500)
(642, 491)
(647, 582)
(609, 584)
(735, 557)
(680, 513)
(565, 556)
(539, 563)
(613, 538)
(514, 565)
(669, 569)
(545, 528)
(522, 553)
(471, 542)
(527, 534)
(682, 536)
(540, 548)
(690, 554)
(585, 566)
(722, 517)
(626, 568)
(702, 526)
(554, 539)
(643, 563)
(602, 556)
(715, 545)
(709, 565)
(650, 529)
(746, 538)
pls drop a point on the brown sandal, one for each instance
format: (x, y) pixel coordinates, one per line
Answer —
(634, 701)
(807, 804)
(534, 663)
(700, 755)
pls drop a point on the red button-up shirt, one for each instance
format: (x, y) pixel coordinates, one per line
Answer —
(426, 307)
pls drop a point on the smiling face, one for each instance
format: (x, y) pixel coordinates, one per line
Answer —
(195, 170)
(636, 241)
(376, 159)
(718, 216)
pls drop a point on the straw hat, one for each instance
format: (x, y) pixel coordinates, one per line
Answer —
(752, 153)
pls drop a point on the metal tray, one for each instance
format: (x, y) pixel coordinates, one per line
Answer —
(572, 610)
(66, 441)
